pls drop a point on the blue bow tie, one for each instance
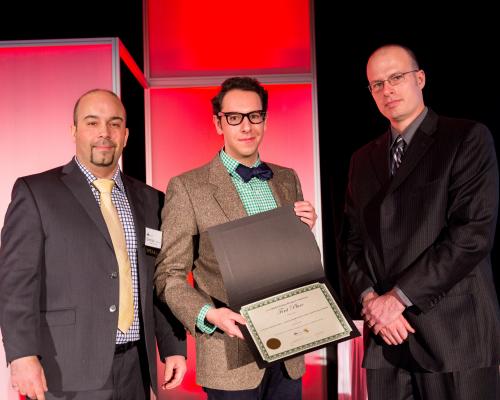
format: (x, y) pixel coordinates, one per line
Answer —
(261, 171)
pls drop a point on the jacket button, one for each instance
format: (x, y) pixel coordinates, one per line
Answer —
(112, 308)
(113, 275)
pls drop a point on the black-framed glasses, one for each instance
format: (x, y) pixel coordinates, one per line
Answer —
(394, 80)
(236, 118)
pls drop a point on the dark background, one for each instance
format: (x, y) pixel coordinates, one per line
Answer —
(23, 20)
(457, 48)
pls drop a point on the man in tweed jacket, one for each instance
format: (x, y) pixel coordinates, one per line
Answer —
(214, 194)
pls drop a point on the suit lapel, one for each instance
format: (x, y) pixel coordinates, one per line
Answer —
(419, 145)
(224, 191)
(380, 159)
(136, 203)
(281, 188)
(74, 179)
(137, 206)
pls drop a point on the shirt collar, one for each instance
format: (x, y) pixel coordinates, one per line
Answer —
(91, 178)
(410, 130)
(231, 164)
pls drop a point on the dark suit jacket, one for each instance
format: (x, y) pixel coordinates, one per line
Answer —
(195, 201)
(56, 283)
(430, 231)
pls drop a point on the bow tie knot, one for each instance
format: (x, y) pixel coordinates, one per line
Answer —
(261, 171)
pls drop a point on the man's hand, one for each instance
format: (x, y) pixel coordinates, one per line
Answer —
(28, 378)
(175, 369)
(396, 332)
(369, 296)
(306, 212)
(393, 333)
(380, 311)
(225, 319)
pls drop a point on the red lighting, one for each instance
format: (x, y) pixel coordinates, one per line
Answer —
(200, 38)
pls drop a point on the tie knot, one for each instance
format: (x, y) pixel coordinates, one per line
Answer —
(104, 185)
(261, 171)
(399, 143)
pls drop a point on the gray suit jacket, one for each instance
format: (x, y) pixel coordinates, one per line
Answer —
(430, 230)
(195, 201)
(56, 282)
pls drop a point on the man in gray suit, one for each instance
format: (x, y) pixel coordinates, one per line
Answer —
(233, 185)
(421, 211)
(61, 281)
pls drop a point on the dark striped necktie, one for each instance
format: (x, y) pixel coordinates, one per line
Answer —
(397, 150)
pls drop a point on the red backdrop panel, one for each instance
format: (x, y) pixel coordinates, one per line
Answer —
(198, 38)
(39, 86)
(183, 137)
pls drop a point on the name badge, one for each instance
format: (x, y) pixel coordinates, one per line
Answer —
(153, 241)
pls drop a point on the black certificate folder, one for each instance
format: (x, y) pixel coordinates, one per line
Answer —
(273, 276)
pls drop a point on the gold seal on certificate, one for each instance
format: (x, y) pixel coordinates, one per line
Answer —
(295, 321)
(273, 343)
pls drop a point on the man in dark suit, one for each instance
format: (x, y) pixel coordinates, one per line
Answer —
(61, 275)
(234, 184)
(421, 210)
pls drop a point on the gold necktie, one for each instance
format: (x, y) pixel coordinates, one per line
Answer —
(115, 229)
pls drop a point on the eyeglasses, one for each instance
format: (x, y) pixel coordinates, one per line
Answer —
(394, 80)
(236, 118)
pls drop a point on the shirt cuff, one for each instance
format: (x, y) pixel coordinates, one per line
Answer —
(203, 325)
(403, 298)
(365, 292)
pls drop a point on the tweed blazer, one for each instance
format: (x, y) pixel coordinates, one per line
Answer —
(429, 230)
(196, 201)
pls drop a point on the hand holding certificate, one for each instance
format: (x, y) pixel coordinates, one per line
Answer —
(280, 289)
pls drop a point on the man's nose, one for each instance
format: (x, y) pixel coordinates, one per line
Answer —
(245, 123)
(388, 88)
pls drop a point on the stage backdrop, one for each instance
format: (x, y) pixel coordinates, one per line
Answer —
(190, 49)
(186, 58)
(183, 137)
(40, 82)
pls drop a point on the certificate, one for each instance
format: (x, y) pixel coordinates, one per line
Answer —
(271, 267)
(295, 321)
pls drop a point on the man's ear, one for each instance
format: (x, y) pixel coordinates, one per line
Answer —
(421, 79)
(73, 132)
(126, 137)
(218, 124)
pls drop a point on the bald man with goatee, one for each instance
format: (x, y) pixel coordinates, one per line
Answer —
(77, 311)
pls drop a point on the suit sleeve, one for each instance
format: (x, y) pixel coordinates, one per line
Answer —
(356, 267)
(175, 261)
(21, 259)
(170, 334)
(467, 236)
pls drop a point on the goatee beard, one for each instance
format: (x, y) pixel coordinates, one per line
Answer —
(102, 161)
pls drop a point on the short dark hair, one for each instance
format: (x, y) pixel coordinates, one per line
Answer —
(75, 109)
(241, 83)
